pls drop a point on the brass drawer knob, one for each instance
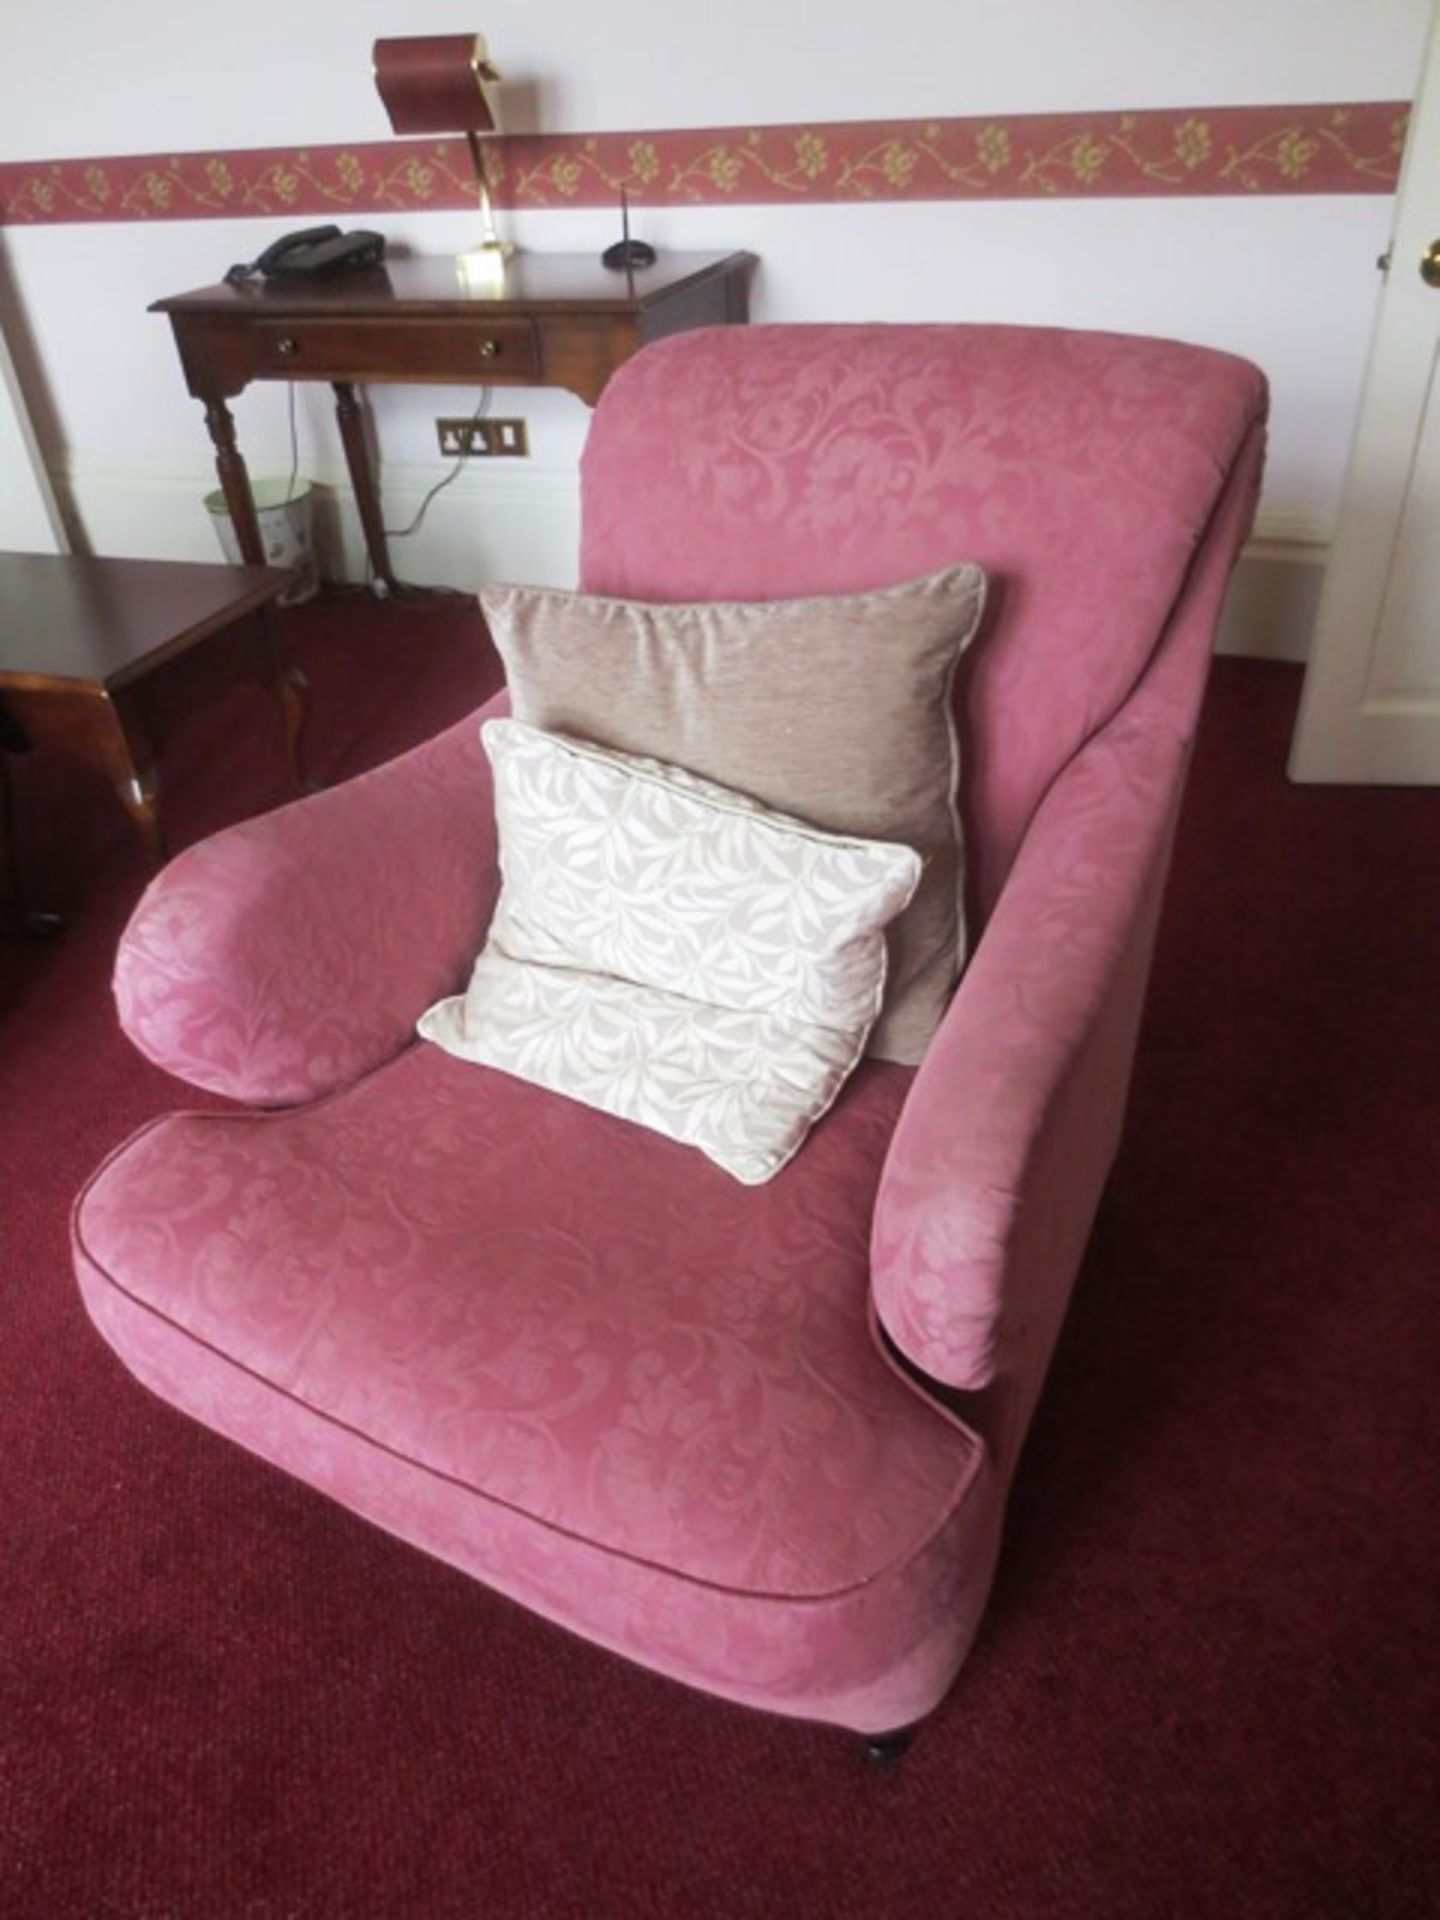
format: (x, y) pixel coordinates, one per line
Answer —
(287, 346)
(489, 349)
(1430, 264)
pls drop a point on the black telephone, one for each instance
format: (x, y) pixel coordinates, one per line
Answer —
(315, 250)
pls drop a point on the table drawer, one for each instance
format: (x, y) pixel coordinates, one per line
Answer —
(357, 349)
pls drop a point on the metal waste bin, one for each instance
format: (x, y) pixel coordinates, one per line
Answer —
(287, 532)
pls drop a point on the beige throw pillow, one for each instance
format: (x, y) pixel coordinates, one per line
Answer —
(836, 709)
(673, 953)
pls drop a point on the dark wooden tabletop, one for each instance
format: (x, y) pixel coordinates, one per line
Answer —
(67, 618)
(538, 282)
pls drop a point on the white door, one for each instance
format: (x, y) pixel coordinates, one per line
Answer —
(1371, 706)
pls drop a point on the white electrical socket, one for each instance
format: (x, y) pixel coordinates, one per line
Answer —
(487, 439)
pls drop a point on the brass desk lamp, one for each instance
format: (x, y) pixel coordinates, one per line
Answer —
(440, 83)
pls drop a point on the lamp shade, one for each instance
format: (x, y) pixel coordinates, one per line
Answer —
(436, 83)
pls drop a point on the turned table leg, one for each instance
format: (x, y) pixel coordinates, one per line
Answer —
(235, 480)
(353, 433)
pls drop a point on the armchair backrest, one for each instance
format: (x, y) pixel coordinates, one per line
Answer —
(1080, 469)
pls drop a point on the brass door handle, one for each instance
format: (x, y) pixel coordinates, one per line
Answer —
(1430, 264)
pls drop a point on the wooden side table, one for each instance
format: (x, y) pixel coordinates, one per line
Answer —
(557, 320)
(103, 658)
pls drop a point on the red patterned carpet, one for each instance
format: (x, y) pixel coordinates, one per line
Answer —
(1209, 1683)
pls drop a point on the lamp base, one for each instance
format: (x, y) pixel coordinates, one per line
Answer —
(484, 266)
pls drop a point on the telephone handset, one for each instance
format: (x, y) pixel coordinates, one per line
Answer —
(315, 250)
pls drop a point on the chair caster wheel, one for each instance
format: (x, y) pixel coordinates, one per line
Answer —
(884, 1749)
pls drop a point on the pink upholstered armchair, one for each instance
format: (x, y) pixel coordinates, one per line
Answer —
(756, 1438)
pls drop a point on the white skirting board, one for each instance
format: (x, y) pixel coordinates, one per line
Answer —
(502, 524)
(486, 525)
(1270, 608)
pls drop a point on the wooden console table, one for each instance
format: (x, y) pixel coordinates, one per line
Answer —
(560, 320)
(103, 658)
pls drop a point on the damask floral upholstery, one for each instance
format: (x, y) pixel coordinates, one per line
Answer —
(697, 1422)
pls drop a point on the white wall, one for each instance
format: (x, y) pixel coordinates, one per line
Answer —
(139, 76)
(1289, 281)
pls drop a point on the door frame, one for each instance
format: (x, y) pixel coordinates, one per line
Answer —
(1355, 724)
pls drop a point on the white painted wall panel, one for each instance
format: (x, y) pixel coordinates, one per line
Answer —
(1290, 284)
(29, 521)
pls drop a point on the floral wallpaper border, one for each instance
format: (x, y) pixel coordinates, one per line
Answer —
(1176, 151)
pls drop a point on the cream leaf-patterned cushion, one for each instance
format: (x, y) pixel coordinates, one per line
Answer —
(672, 952)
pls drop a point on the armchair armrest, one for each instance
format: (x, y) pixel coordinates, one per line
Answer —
(288, 955)
(1002, 1149)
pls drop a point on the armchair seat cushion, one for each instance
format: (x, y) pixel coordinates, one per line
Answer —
(576, 1360)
